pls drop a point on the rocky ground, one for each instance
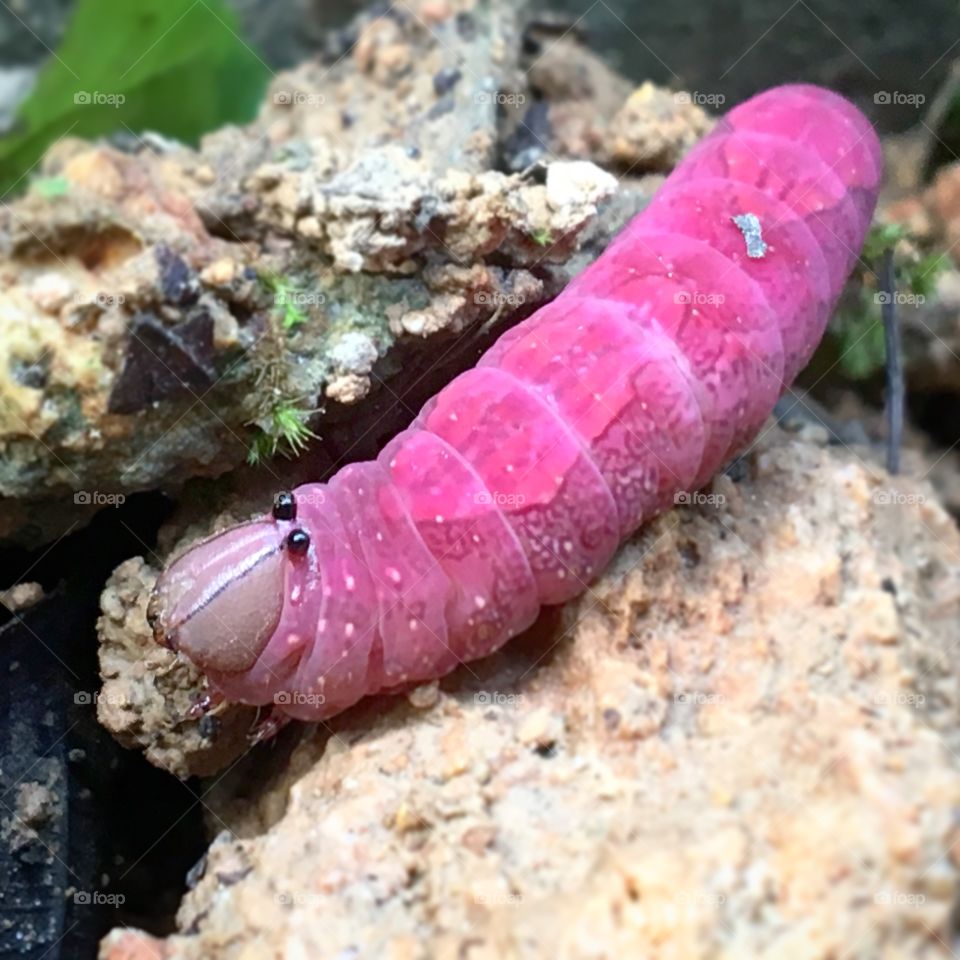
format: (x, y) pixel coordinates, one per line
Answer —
(740, 743)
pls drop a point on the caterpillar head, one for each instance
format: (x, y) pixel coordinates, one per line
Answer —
(220, 602)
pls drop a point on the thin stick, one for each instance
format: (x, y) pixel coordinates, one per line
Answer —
(895, 391)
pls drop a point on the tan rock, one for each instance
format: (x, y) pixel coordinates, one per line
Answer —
(686, 763)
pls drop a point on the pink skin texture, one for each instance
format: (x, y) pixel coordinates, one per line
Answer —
(516, 483)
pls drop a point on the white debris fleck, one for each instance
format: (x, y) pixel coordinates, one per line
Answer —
(749, 226)
(577, 183)
(354, 352)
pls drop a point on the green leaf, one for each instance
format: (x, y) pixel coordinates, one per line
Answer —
(178, 67)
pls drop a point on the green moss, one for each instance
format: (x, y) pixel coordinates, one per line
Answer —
(285, 432)
(288, 299)
(51, 187)
(857, 326)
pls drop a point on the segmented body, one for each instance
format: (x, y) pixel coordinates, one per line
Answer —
(516, 483)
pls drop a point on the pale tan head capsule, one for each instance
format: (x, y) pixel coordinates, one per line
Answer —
(220, 602)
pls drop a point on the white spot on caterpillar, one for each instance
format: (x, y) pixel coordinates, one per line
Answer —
(349, 629)
(749, 226)
(479, 601)
(438, 518)
(349, 582)
(293, 639)
(412, 623)
(394, 574)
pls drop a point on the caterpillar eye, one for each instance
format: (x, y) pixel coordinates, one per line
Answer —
(298, 542)
(285, 506)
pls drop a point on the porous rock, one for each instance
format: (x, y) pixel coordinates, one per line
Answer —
(740, 742)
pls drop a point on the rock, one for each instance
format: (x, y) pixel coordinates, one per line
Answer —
(148, 692)
(655, 127)
(21, 596)
(159, 311)
(740, 742)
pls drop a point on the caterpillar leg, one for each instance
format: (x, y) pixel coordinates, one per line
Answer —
(267, 726)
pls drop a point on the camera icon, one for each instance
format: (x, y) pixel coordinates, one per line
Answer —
(81, 97)
(82, 897)
(882, 96)
(681, 497)
(683, 297)
(83, 698)
(482, 698)
(282, 697)
(283, 97)
(83, 497)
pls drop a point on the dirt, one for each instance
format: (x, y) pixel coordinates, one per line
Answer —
(740, 742)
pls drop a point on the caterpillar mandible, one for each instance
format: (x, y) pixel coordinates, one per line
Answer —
(516, 483)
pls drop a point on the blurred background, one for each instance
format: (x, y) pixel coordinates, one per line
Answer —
(734, 48)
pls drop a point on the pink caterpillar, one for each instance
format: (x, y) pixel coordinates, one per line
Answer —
(516, 483)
